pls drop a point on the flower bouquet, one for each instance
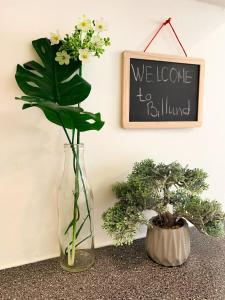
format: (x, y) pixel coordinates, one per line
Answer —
(55, 85)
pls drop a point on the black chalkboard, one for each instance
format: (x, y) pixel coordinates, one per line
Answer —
(161, 91)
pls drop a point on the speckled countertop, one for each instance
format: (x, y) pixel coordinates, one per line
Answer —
(124, 273)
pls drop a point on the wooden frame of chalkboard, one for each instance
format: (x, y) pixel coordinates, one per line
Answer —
(161, 91)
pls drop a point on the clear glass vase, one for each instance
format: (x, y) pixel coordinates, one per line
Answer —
(75, 204)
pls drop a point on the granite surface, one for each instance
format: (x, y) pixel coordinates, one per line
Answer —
(124, 273)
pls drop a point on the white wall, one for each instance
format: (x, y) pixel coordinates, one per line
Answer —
(214, 2)
(32, 149)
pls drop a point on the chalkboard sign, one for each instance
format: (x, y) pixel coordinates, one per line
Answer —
(161, 91)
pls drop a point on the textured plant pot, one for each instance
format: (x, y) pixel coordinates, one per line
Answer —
(168, 247)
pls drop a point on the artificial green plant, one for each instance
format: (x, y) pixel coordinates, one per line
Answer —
(162, 188)
(55, 85)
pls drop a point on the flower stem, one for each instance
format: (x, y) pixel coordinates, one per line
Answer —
(75, 208)
(78, 132)
(73, 134)
(76, 215)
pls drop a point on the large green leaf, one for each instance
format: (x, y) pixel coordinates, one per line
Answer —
(49, 80)
(68, 116)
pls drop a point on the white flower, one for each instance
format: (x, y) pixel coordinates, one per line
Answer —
(84, 55)
(84, 24)
(97, 41)
(62, 58)
(100, 25)
(54, 38)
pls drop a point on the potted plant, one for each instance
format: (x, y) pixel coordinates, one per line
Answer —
(173, 192)
(55, 85)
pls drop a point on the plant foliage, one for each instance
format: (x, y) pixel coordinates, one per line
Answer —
(55, 88)
(152, 186)
(54, 85)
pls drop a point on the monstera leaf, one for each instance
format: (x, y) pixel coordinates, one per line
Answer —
(67, 116)
(54, 88)
(49, 80)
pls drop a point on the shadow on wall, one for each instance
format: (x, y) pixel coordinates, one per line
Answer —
(198, 22)
(220, 3)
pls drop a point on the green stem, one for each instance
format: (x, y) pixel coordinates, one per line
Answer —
(86, 198)
(71, 254)
(73, 134)
(82, 224)
(76, 215)
(76, 196)
(64, 128)
(82, 180)
(69, 140)
(78, 137)
(66, 251)
(83, 240)
(78, 132)
(80, 70)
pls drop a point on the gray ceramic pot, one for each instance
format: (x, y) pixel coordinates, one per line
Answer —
(168, 247)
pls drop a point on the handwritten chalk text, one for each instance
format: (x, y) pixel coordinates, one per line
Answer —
(162, 107)
(148, 73)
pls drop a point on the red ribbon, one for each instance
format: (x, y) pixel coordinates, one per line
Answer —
(168, 21)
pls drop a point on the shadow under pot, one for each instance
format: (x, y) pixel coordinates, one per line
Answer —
(168, 247)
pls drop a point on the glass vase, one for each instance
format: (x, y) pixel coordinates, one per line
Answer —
(75, 203)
